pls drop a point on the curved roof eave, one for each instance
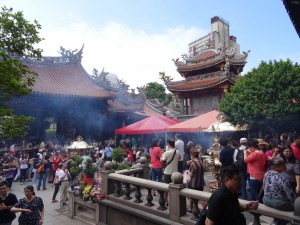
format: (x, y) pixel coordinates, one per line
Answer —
(201, 88)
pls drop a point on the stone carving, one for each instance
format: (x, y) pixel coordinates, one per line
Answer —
(221, 49)
(227, 65)
(246, 54)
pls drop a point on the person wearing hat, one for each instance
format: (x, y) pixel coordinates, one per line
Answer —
(238, 159)
(262, 145)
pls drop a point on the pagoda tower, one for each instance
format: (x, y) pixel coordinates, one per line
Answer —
(212, 67)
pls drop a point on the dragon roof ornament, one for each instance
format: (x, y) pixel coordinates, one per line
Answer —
(165, 78)
(67, 57)
(70, 55)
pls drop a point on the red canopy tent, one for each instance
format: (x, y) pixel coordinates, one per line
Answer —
(152, 124)
(195, 124)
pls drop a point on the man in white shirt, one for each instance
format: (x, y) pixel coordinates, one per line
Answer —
(63, 176)
(171, 158)
(179, 146)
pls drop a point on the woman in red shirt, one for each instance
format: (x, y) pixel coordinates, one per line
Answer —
(56, 161)
(255, 160)
(156, 165)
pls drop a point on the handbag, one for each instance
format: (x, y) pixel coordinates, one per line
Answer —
(41, 169)
(186, 177)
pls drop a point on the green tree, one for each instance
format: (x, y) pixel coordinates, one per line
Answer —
(268, 96)
(17, 40)
(156, 90)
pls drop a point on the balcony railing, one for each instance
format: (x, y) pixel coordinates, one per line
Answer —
(131, 191)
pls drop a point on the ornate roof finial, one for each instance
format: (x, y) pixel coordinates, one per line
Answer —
(166, 79)
(71, 55)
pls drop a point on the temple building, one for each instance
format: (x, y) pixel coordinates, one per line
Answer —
(66, 97)
(213, 65)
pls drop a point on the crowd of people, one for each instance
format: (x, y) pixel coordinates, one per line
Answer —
(270, 168)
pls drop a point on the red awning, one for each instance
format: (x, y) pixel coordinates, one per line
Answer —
(196, 124)
(152, 124)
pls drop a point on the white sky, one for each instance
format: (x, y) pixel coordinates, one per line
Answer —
(137, 39)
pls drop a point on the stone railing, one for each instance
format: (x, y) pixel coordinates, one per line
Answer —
(129, 200)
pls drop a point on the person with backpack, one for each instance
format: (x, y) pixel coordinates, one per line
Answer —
(238, 159)
(36, 162)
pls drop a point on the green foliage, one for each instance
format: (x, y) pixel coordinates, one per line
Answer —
(123, 167)
(17, 40)
(268, 96)
(75, 168)
(89, 168)
(78, 160)
(12, 125)
(155, 90)
(118, 155)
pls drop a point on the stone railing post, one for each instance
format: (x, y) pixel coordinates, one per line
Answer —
(177, 203)
(296, 216)
(146, 168)
(107, 185)
(71, 208)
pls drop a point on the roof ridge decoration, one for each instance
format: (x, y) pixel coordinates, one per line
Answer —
(165, 78)
(220, 54)
(120, 89)
(67, 57)
(71, 55)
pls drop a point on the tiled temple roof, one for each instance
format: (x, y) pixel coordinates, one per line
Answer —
(151, 109)
(199, 82)
(117, 106)
(65, 79)
(204, 55)
(200, 65)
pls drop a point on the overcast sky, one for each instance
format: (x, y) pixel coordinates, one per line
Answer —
(136, 39)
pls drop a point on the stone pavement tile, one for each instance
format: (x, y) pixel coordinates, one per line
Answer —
(67, 221)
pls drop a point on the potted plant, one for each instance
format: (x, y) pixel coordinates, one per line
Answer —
(118, 156)
(75, 171)
(89, 169)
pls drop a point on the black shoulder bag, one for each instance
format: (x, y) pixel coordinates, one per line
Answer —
(165, 164)
(202, 216)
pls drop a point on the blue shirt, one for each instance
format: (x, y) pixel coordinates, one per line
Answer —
(108, 151)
